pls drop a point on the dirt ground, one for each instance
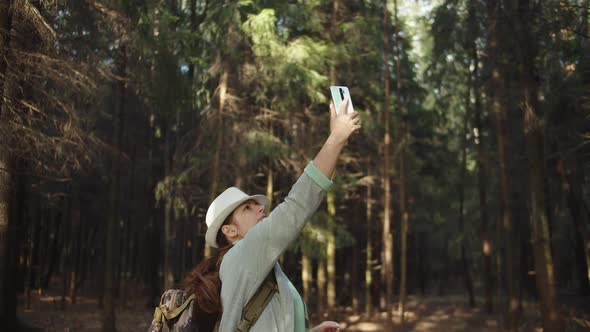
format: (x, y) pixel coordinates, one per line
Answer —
(447, 313)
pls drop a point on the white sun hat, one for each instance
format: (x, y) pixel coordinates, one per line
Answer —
(222, 207)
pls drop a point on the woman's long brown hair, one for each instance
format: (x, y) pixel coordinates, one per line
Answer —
(204, 281)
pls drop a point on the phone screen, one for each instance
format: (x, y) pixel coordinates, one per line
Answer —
(338, 94)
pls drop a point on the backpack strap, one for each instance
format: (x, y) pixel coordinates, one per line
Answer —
(258, 302)
(163, 316)
(169, 315)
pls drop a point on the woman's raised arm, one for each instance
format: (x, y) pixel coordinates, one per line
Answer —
(341, 127)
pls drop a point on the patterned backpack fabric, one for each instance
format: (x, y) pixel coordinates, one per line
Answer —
(174, 313)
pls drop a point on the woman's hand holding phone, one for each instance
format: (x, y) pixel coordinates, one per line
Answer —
(343, 124)
(339, 93)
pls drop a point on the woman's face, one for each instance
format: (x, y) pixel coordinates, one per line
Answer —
(244, 217)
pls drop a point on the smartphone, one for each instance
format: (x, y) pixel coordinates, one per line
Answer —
(338, 94)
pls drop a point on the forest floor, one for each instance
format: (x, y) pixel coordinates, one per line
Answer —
(424, 314)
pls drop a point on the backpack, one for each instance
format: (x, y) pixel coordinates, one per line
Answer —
(176, 309)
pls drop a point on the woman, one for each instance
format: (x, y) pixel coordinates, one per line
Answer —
(251, 243)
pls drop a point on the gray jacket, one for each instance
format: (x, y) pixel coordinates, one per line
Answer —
(248, 262)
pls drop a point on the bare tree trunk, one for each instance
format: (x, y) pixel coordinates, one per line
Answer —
(42, 242)
(128, 241)
(241, 180)
(75, 242)
(369, 252)
(306, 276)
(54, 250)
(331, 250)
(8, 302)
(223, 83)
(269, 185)
(195, 227)
(387, 252)
(7, 232)
(321, 286)
(34, 240)
(499, 109)
(464, 259)
(355, 266)
(402, 171)
(170, 224)
(422, 250)
(66, 206)
(169, 234)
(109, 323)
(486, 245)
(354, 279)
(30, 247)
(331, 195)
(152, 236)
(533, 129)
(573, 196)
(17, 226)
(87, 240)
(5, 28)
(193, 28)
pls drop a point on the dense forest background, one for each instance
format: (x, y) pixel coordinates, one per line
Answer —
(120, 121)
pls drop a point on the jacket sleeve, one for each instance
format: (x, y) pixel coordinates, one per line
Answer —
(256, 254)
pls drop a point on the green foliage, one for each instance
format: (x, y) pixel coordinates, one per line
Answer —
(314, 238)
(260, 145)
(288, 72)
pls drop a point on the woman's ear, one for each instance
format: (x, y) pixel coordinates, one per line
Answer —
(229, 230)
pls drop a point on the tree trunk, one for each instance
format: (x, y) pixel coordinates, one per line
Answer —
(321, 286)
(214, 188)
(128, 242)
(241, 180)
(8, 299)
(223, 83)
(193, 28)
(422, 249)
(306, 276)
(7, 234)
(75, 243)
(66, 205)
(331, 195)
(498, 107)
(152, 236)
(387, 251)
(402, 171)
(369, 252)
(169, 234)
(354, 279)
(355, 266)
(464, 259)
(331, 250)
(579, 219)
(34, 246)
(269, 185)
(87, 241)
(108, 322)
(54, 251)
(443, 278)
(486, 245)
(42, 242)
(30, 248)
(195, 227)
(552, 320)
(5, 28)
